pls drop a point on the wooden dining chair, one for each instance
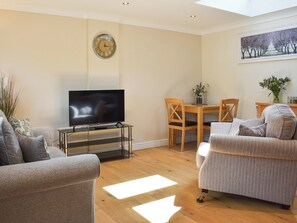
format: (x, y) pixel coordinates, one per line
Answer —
(176, 120)
(228, 111)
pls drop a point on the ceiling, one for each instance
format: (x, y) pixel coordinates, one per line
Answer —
(172, 15)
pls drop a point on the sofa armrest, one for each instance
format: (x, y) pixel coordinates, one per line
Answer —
(261, 147)
(29, 178)
(46, 132)
(220, 127)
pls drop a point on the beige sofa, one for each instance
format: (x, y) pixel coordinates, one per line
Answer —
(259, 167)
(58, 190)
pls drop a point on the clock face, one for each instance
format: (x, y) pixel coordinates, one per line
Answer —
(104, 45)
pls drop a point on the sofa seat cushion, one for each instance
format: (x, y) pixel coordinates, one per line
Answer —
(202, 152)
(54, 152)
(10, 150)
(281, 121)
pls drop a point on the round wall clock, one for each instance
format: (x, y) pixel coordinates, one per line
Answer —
(104, 45)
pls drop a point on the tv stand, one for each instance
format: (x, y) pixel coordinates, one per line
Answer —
(66, 144)
(119, 124)
(99, 127)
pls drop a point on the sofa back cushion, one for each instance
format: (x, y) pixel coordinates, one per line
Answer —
(10, 151)
(281, 121)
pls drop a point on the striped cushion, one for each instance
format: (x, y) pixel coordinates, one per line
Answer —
(295, 135)
(281, 121)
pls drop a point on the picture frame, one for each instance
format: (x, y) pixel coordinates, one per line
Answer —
(277, 44)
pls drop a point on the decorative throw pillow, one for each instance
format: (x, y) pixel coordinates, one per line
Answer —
(295, 134)
(249, 123)
(10, 151)
(33, 148)
(21, 126)
(2, 114)
(235, 126)
(259, 131)
(281, 121)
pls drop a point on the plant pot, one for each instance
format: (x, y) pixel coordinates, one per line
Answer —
(199, 101)
(276, 99)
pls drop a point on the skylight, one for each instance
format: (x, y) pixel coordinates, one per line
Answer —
(249, 7)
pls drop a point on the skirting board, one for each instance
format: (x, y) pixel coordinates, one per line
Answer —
(158, 143)
(150, 144)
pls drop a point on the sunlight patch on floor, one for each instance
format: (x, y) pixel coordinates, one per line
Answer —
(138, 186)
(159, 211)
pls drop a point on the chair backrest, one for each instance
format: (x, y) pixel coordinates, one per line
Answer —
(228, 109)
(175, 110)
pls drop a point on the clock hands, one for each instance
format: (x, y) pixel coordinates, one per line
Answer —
(104, 45)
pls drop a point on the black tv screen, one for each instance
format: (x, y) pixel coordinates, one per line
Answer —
(96, 107)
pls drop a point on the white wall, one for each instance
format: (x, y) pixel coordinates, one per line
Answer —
(228, 78)
(46, 55)
(102, 73)
(50, 55)
(155, 64)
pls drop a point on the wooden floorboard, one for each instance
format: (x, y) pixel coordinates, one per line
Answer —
(181, 168)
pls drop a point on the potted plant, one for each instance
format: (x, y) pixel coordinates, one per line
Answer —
(200, 90)
(275, 85)
(8, 98)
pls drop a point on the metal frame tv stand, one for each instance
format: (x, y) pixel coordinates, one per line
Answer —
(65, 144)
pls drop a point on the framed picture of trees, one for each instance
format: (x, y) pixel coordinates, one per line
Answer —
(276, 45)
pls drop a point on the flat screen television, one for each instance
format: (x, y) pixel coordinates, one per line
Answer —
(89, 107)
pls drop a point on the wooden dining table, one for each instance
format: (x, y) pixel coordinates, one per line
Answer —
(201, 110)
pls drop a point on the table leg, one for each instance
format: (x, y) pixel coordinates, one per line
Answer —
(130, 140)
(122, 142)
(199, 125)
(61, 146)
(65, 142)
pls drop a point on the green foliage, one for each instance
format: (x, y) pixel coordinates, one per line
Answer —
(8, 99)
(275, 85)
(200, 89)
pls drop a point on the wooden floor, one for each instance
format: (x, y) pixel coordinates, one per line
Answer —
(181, 168)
